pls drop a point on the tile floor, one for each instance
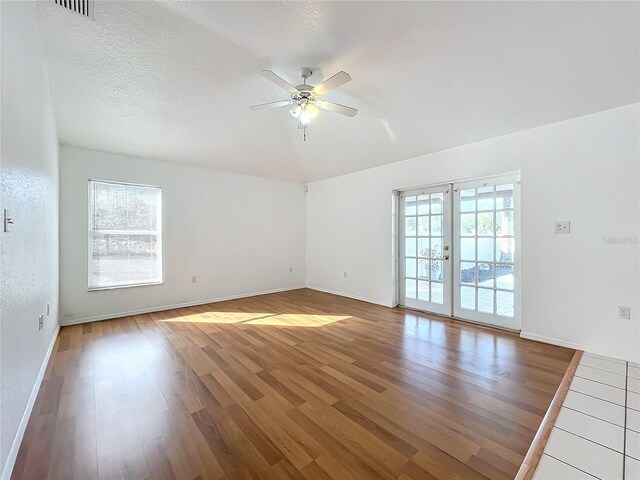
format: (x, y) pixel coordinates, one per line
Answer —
(597, 432)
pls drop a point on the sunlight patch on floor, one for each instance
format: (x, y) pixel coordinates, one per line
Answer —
(297, 320)
(272, 319)
(218, 317)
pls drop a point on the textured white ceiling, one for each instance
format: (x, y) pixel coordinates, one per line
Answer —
(173, 80)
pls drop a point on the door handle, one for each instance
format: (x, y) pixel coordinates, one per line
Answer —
(7, 221)
(446, 257)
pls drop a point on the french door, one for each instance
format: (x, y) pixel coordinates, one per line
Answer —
(459, 253)
(425, 249)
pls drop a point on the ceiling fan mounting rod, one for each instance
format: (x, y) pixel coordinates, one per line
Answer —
(305, 72)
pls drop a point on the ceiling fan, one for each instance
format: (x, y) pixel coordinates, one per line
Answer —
(306, 99)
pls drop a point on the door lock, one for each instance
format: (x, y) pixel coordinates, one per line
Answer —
(446, 247)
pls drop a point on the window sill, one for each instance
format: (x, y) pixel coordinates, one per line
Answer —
(131, 285)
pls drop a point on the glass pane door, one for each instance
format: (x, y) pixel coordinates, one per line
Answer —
(486, 229)
(425, 249)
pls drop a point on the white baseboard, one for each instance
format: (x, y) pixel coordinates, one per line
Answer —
(552, 341)
(355, 297)
(575, 346)
(17, 440)
(161, 308)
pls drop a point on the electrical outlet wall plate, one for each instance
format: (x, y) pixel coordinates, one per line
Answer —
(624, 313)
(562, 227)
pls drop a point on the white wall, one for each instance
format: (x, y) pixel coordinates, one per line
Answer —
(585, 170)
(238, 234)
(29, 190)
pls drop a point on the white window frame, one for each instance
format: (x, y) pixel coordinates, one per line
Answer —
(90, 232)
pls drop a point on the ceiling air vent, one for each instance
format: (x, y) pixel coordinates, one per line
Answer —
(81, 7)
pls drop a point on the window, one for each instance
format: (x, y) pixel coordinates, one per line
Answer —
(125, 235)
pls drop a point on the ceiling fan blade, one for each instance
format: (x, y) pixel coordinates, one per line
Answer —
(280, 103)
(331, 83)
(272, 77)
(337, 108)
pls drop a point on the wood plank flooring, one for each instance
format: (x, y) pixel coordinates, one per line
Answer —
(294, 385)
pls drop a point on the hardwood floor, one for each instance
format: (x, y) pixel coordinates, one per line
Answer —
(294, 385)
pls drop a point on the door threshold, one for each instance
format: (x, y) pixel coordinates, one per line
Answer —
(451, 317)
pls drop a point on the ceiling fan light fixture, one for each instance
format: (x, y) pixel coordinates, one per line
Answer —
(311, 110)
(308, 112)
(304, 120)
(295, 111)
